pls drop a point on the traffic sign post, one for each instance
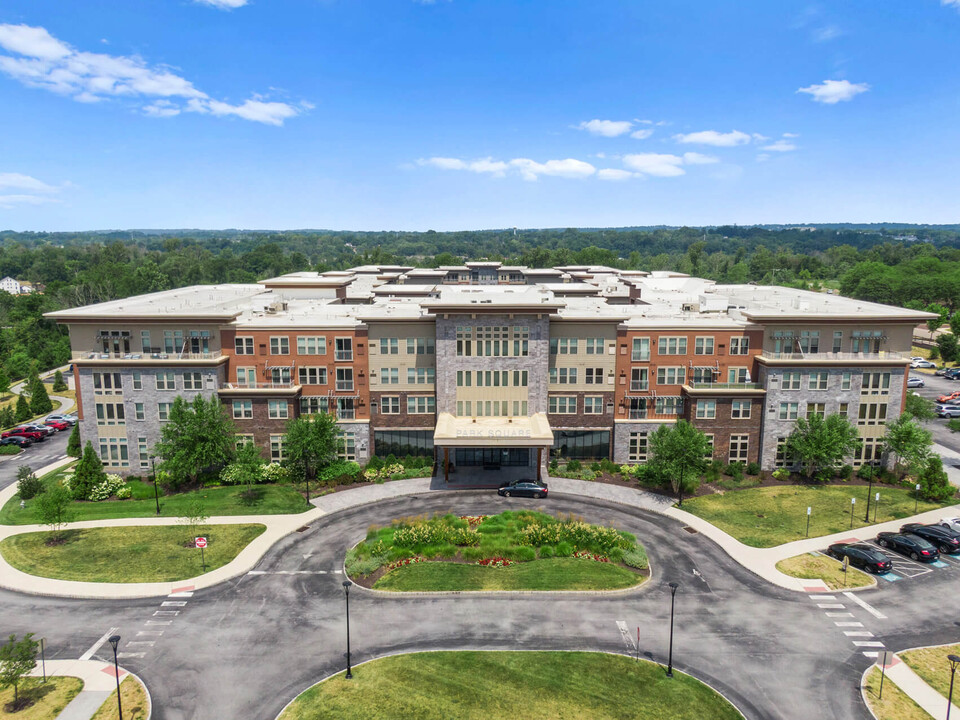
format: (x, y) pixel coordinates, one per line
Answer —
(884, 658)
(201, 542)
(876, 507)
(853, 506)
(916, 499)
(808, 520)
(43, 659)
(846, 561)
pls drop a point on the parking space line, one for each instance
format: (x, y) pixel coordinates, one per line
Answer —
(939, 563)
(869, 608)
(96, 646)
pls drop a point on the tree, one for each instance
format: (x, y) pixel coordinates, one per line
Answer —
(681, 451)
(247, 466)
(17, 659)
(942, 313)
(955, 323)
(87, 474)
(23, 412)
(4, 383)
(73, 442)
(39, 400)
(59, 384)
(193, 518)
(933, 481)
(310, 445)
(197, 437)
(53, 509)
(821, 444)
(28, 484)
(909, 442)
(7, 417)
(919, 408)
(947, 343)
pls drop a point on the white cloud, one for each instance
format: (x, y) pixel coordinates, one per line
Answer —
(497, 168)
(712, 137)
(951, 3)
(657, 164)
(758, 137)
(8, 202)
(614, 174)
(606, 128)
(825, 33)
(780, 146)
(763, 157)
(693, 158)
(568, 168)
(223, 4)
(39, 60)
(831, 92)
(29, 187)
(23, 182)
(641, 134)
(796, 135)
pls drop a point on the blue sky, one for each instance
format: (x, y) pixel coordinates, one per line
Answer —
(464, 114)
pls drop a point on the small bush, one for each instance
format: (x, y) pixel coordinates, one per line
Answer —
(608, 466)
(553, 465)
(734, 470)
(753, 468)
(28, 484)
(522, 554)
(845, 472)
(546, 551)
(781, 474)
(866, 472)
(124, 493)
(636, 558)
(595, 467)
(375, 463)
(652, 476)
(275, 473)
(934, 353)
(564, 549)
(573, 466)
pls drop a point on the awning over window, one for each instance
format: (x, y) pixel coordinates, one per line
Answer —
(533, 431)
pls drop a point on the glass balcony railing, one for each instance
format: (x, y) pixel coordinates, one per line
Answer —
(701, 385)
(101, 355)
(882, 355)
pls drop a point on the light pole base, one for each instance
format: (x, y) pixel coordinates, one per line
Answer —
(349, 675)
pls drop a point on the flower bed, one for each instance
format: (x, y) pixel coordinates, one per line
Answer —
(590, 556)
(495, 562)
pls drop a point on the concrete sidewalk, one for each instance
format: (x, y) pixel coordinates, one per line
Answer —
(916, 687)
(99, 682)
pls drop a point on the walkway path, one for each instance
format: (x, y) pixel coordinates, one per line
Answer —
(99, 682)
(916, 687)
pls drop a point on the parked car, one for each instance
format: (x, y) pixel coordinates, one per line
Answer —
(71, 419)
(940, 371)
(923, 364)
(949, 397)
(523, 488)
(57, 425)
(865, 557)
(952, 374)
(915, 358)
(35, 435)
(18, 440)
(953, 523)
(914, 382)
(916, 548)
(948, 410)
(944, 539)
(46, 429)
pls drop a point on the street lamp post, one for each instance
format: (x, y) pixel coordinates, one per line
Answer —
(853, 505)
(346, 594)
(156, 493)
(114, 641)
(954, 661)
(866, 517)
(916, 499)
(673, 595)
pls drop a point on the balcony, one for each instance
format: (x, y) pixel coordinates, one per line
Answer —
(343, 355)
(346, 414)
(145, 358)
(344, 385)
(701, 385)
(840, 357)
(259, 388)
(636, 386)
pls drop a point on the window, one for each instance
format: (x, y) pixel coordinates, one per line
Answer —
(464, 408)
(669, 406)
(866, 341)
(389, 376)
(818, 380)
(872, 414)
(641, 349)
(464, 378)
(242, 409)
(192, 381)
(520, 378)
(110, 414)
(344, 378)
(780, 460)
(166, 381)
(464, 341)
(703, 346)
(593, 405)
(706, 409)
(837, 340)
(563, 404)
(311, 404)
(144, 452)
(345, 409)
(278, 409)
(563, 376)
(639, 379)
(347, 446)
(875, 383)
(389, 346)
(343, 349)
(738, 375)
(494, 341)
(312, 345)
(594, 376)
(702, 375)
(708, 455)
(312, 375)
(107, 383)
(173, 341)
(869, 452)
(390, 405)
(138, 411)
(400, 443)
(637, 451)
(791, 381)
(113, 452)
(421, 405)
(163, 411)
(739, 345)
(279, 346)
(137, 381)
(520, 408)
(739, 448)
(843, 409)
(563, 346)
(809, 341)
(789, 410)
(638, 408)
(280, 375)
(581, 444)
(241, 439)
(276, 448)
(594, 346)
(819, 409)
(421, 346)
(672, 346)
(493, 378)
(740, 409)
(671, 375)
(145, 342)
(845, 381)
(243, 345)
(422, 376)
(246, 377)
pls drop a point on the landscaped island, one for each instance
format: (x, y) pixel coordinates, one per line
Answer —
(508, 685)
(515, 550)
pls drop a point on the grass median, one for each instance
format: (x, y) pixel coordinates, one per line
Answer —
(127, 554)
(133, 698)
(895, 704)
(932, 665)
(48, 698)
(507, 685)
(821, 567)
(770, 516)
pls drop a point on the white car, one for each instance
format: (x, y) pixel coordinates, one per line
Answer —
(72, 419)
(914, 382)
(921, 363)
(916, 357)
(953, 523)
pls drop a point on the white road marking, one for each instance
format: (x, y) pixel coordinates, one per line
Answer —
(827, 606)
(848, 624)
(869, 608)
(166, 613)
(867, 643)
(833, 615)
(870, 653)
(290, 572)
(627, 637)
(858, 633)
(185, 593)
(173, 603)
(142, 643)
(823, 597)
(96, 646)
(158, 622)
(130, 654)
(154, 633)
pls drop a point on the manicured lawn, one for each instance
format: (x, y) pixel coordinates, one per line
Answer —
(50, 697)
(769, 516)
(510, 685)
(552, 574)
(932, 665)
(133, 697)
(895, 705)
(127, 554)
(227, 500)
(824, 568)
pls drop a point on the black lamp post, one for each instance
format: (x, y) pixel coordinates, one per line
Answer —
(156, 493)
(866, 517)
(346, 594)
(673, 596)
(954, 661)
(114, 641)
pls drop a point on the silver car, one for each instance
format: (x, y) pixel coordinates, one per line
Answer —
(948, 410)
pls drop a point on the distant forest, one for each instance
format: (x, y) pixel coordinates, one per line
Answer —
(895, 263)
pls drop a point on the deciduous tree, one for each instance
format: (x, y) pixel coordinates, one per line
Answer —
(17, 659)
(820, 444)
(909, 442)
(681, 451)
(197, 437)
(54, 510)
(310, 445)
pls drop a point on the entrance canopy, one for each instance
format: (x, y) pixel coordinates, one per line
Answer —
(533, 431)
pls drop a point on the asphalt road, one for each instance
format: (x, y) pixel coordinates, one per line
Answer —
(245, 648)
(933, 388)
(36, 456)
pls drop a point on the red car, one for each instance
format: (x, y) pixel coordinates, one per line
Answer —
(35, 435)
(57, 425)
(949, 398)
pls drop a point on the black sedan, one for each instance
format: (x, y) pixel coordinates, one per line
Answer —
(18, 440)
(942, 538)
(916, 548)
(861, 556)
(523, 488)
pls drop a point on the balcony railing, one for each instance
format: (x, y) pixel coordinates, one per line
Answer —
(638, 386)
(344, 385)
(101, 355)
(258, 385)
(700, 385)
(343, 355)
(638, 414)
(882, 355)
(346, 414)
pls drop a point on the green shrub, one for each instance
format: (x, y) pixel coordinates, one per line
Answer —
(339, 472)
(472, 554)
(636, 558)
(564, 549)
(608, 466)
(934, 353)
(10, 450)
(553, 465)
(375, 463)
(753, 468)
(573, 466)
(595, 467)
(357, 565)
(781, 474)
(934, 483)
(522, 554)
(546, 551)
(28, 484)
(845, 472)
(866, 472)
(652, 476)
(124, 493)
(275, 473)
(390, 459)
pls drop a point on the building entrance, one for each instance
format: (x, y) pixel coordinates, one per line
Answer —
(492, 457)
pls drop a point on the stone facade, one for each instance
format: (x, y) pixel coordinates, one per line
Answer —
(621, 437)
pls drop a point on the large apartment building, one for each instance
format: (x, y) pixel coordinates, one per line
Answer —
(489, 365)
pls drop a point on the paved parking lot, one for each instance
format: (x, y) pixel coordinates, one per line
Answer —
(949, 441)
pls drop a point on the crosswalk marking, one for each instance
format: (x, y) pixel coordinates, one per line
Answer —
(181, 594)
(166, 613)
(848, 624)
(154, 633)
(867, 643)
(843, 614)
(142, 643)
(870, 653)
(130, 655)
(173, 603)
(625, 633)
(858, 633)
(830, 606)
(158, 622)
(96, 646)
(870, 609)
(823, 597)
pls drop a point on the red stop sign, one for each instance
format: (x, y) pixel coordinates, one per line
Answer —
(201, 542)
